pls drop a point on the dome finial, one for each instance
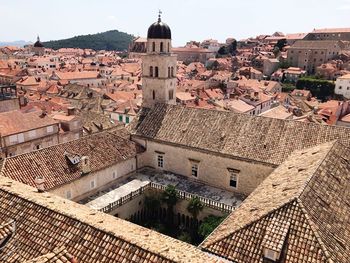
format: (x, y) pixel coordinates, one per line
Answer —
(38, 38)
(159, 15)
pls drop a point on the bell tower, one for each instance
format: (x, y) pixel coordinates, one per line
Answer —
(158, 67)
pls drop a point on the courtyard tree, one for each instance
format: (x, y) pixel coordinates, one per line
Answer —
(209, 224)
(194, 207)
(170, 198)
(152, 205)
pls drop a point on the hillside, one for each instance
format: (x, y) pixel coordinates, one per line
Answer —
(110, 40)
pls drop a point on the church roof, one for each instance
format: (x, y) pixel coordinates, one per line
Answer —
(235, 135)
(300, 211)
(159, 30)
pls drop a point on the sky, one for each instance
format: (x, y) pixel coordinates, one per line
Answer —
(188, 19)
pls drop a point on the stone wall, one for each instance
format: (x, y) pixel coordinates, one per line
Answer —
(212, 169)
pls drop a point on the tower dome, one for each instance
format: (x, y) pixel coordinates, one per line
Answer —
(38, 43)
(159, 30)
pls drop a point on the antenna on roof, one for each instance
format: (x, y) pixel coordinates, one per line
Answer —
(159, 15)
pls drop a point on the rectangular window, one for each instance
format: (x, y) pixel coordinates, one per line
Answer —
(194, 169)
(49, 129)
(114, 175)
(68, 194)
(233, 177)
(171, 94)
(20, 137)
(121, 118)
(92, 184)
(127, 119)
(13, 138)
(32, 134)
(160, 160)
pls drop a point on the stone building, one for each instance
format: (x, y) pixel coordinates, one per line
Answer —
(308, 55)
(342, 86)
(35, 130)
(329, 34)
(159, 67)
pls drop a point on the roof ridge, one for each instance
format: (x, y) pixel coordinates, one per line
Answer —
(312, 226)
(248, 224)
(307, 182)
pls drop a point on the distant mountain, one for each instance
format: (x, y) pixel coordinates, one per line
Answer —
(19, 43)
(110, 40)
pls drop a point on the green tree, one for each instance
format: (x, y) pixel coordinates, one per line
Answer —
(194, 207)
(170, 198)
(152, 205)
(209, 224)
(322, 89)
(281, 44)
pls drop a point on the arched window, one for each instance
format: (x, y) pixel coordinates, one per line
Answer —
(169, 72)
(172, 71)
(151, 71)
(156, 73)
(153, 94)
(153, 47)
(168, 47)
(161, 47)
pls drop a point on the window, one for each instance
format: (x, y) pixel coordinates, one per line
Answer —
(161, 47)
(153, 94)
(49, 129)
(13, 138)
(340, 87)
(156, 73)
(168, 47)
(169, 74)
(172, 71)
(32, 134)
(127, 119)
(151, 71)
(20, 137)
(68, 194)
(153, 47)
(171, 94)
(37, 147)
(194, 169)
(92, 184)
(233, 177)
(121, 118)
(160, 161)
(114, 175)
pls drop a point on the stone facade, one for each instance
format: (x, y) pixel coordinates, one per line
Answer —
(213, 170)
(158, 73)
(342, 86)
(95, 181)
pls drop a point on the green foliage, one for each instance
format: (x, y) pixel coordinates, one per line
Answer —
(195, 206)
(152, 204)
(185, 237)
(228, 49)
(322, 89)
(286, 87)
(110, 40)
(284, 64)
(170, 196)
(281, 44)
(209, 224)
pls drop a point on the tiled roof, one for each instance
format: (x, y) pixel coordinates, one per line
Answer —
(45, 222)
(58, 255)
(237, 135)
(300, 211)
(103, 149)
(6, 230)
(316, 44)
(13, 122)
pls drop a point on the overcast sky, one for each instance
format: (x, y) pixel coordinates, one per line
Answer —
(188, 19)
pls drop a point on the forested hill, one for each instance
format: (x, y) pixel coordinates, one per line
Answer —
(110, 40)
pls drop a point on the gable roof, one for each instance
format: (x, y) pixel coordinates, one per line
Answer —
(52, 163)
(58, 255)
(231, 134)
(10, 124)
(45, 222)
(301, 210)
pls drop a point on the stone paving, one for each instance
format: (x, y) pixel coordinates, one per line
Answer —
(146, 175)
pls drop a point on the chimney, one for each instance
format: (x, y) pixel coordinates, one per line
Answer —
(85, 165)
(70, 111)
(40, 183)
